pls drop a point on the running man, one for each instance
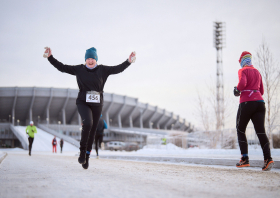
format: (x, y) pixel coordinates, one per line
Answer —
(30, 130)
(99, 134)
(251, 107)
(91, 79)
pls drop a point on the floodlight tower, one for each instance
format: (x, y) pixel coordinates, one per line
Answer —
(219, 44)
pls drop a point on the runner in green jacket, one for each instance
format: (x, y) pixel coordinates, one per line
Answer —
(30, 130)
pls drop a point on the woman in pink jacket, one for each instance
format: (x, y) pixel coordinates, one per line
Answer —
(251, 107)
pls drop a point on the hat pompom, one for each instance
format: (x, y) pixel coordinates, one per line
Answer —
(243, 54)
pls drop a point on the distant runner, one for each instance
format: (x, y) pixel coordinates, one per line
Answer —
(54, 143)
(30, 130)
(251, 107)
(91, 79)
(61, 144)
(99, 134)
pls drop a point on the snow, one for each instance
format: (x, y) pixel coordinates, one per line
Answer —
(62, 176)
(171, 149)
(43, 140)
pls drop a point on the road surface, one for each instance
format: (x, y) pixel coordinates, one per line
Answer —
(61, 176)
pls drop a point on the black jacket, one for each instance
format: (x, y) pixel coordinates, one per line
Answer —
(87, 79)
(61, 142)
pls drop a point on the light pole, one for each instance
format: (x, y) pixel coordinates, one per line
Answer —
(18, 122)
(59, 126)
(38, 119)
(9, 118)
(141, 118)
(219, 44)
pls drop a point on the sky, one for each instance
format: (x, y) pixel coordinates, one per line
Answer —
(173, 40)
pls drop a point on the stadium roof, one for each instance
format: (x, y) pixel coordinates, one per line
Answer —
(53, 105)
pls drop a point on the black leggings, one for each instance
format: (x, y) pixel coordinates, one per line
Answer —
(98, 141)
(90, 116)
(254, 111)
(30, 140)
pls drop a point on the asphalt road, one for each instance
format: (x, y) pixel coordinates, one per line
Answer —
(62, 176)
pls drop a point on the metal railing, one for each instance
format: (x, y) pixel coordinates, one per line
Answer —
(65, 137)
(22, 140)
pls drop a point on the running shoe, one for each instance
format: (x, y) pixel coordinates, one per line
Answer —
(85, 165)
(268, 164)
(82, 158)
(244, 162)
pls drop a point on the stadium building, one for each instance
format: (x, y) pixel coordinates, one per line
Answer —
(54, 111)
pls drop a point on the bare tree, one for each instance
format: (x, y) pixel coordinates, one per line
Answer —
(203, 112)
(205, 116)
(227, 110)
(207, 113)
(271, 77)
(227, 104)
(212, 99)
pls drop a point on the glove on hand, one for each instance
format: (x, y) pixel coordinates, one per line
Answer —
(236, 92)
(132, 57)
(46, 54)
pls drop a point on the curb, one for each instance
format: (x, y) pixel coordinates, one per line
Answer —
(3, 157)
(201, 161)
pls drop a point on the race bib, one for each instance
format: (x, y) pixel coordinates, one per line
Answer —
(93, 97)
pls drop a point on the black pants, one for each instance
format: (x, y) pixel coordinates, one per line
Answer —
(61, 148)
(98, 141)
(90, 116)
(254, 111)
(30, 140)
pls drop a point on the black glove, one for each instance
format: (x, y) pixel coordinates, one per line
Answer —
(236, 92)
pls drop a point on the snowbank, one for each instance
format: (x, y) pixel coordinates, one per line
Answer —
(171, 149)
(161, 149)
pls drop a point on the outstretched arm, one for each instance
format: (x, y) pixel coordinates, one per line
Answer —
(120, 68)
(58, 65)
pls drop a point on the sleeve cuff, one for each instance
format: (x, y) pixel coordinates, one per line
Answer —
(128, 61)
(51, 57)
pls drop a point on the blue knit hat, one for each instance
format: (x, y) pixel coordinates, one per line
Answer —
(91, 53)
